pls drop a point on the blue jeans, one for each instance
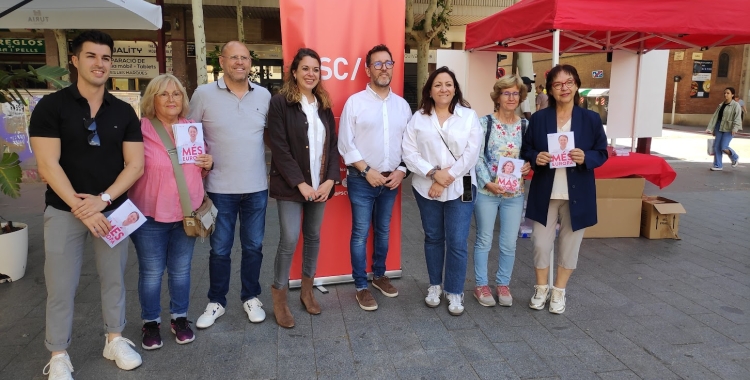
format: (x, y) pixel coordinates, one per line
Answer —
(721, 144)
(251, 208)
(446, 223)
(369, 205)
(485, 212)
(162, 246)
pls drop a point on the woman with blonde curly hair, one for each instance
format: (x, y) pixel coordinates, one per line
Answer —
(304, 168)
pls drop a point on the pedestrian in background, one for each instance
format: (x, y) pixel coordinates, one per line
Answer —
(304, 168)
(724, 124)
(503, 135)
(441, 145)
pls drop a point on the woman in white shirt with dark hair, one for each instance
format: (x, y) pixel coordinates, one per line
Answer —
(441, 147)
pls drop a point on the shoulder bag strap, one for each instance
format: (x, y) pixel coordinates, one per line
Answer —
(487, 136)
(179, 174)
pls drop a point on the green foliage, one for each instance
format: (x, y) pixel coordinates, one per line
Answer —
(441, 17)
(9, 91)
(10, 175)
(10, 168)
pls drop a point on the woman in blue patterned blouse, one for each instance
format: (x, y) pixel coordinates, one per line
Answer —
(502, 136)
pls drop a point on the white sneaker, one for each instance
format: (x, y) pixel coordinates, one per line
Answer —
(119, 350)
(433, 296)
(455, 303)
(213, 311)
(557, 301)
(254, 309)
(541, 295)
(714, 168)
(59, 367)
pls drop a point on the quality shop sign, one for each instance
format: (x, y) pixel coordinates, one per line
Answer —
(134, 67)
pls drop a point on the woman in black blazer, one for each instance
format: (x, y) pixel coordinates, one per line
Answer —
(304, 167)
(567, 194)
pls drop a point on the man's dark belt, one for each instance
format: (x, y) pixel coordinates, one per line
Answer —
(384, 174)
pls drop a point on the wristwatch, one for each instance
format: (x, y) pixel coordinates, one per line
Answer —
(364, 172)
(106, 198)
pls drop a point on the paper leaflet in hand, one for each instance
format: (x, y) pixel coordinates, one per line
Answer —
(124, 220)
(188, 139)
(509, 174)
(560, 145)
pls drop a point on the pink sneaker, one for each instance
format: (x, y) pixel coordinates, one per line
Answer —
(503, 296)
(483, 294)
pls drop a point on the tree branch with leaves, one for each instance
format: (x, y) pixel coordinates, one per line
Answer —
(423, 33)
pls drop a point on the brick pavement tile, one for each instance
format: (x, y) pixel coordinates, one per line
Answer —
(376, 372)
(365, 339)
(333, 358)
(524, 361)
(541, 341)
(474, 345)
(297, 340)
(647, 366)
(618, 375)
(690, 370)
(404, 349)
(328, 325)
(297, 366)
(496, 369)
(563, 328)
(365, 361)
(432, 333)
(593, 355)
(738, 333)
(569, 367)
(258, 361)
(681, 303)
(673, 316)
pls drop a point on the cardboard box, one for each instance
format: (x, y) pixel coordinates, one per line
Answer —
(660, 217)
(618, 208)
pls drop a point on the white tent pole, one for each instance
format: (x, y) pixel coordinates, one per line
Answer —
(555, 62)
(556, 47)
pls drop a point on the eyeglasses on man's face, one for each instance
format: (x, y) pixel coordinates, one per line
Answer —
(568, 84)
(379, 65)
(238, 58)
(90, 125)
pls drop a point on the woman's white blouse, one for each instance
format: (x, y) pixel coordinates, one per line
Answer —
(423, 149)
(316, 135)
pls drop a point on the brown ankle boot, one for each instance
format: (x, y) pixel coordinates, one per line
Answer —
(307, 297)
(281, 310)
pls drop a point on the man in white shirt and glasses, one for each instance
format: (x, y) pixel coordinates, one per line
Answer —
(370, 133)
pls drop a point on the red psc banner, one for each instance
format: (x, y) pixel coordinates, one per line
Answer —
(342, 32)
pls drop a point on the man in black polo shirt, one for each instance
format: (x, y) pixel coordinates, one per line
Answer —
(89, 149)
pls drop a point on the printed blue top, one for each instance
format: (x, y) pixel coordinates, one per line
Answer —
(505, 141)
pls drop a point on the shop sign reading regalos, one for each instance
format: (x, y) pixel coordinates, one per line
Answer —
(21, 46)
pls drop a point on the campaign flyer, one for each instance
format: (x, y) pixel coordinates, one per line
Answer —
(509, 174)
(188, 139)
(560, 145)
(124, 220)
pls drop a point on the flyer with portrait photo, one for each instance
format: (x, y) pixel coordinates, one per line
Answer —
(124, 220)
(509, 174)
(188, 139)
(560, 145)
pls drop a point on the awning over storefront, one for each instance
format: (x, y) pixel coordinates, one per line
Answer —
(593, 92)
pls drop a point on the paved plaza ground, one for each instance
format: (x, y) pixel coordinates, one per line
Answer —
(636, 309)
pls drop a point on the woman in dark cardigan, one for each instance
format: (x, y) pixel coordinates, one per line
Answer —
(304, 169)
(567, 194)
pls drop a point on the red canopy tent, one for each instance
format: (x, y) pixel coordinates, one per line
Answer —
(606, 25)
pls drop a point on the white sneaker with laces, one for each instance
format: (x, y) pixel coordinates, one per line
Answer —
(213, 311)
(254, 309)
(119, 350)
(557, 301)
(59, 367)
(455, 303)
(541, 295)
(433, 296)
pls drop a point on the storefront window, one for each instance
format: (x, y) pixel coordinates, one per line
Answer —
(723, 65)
